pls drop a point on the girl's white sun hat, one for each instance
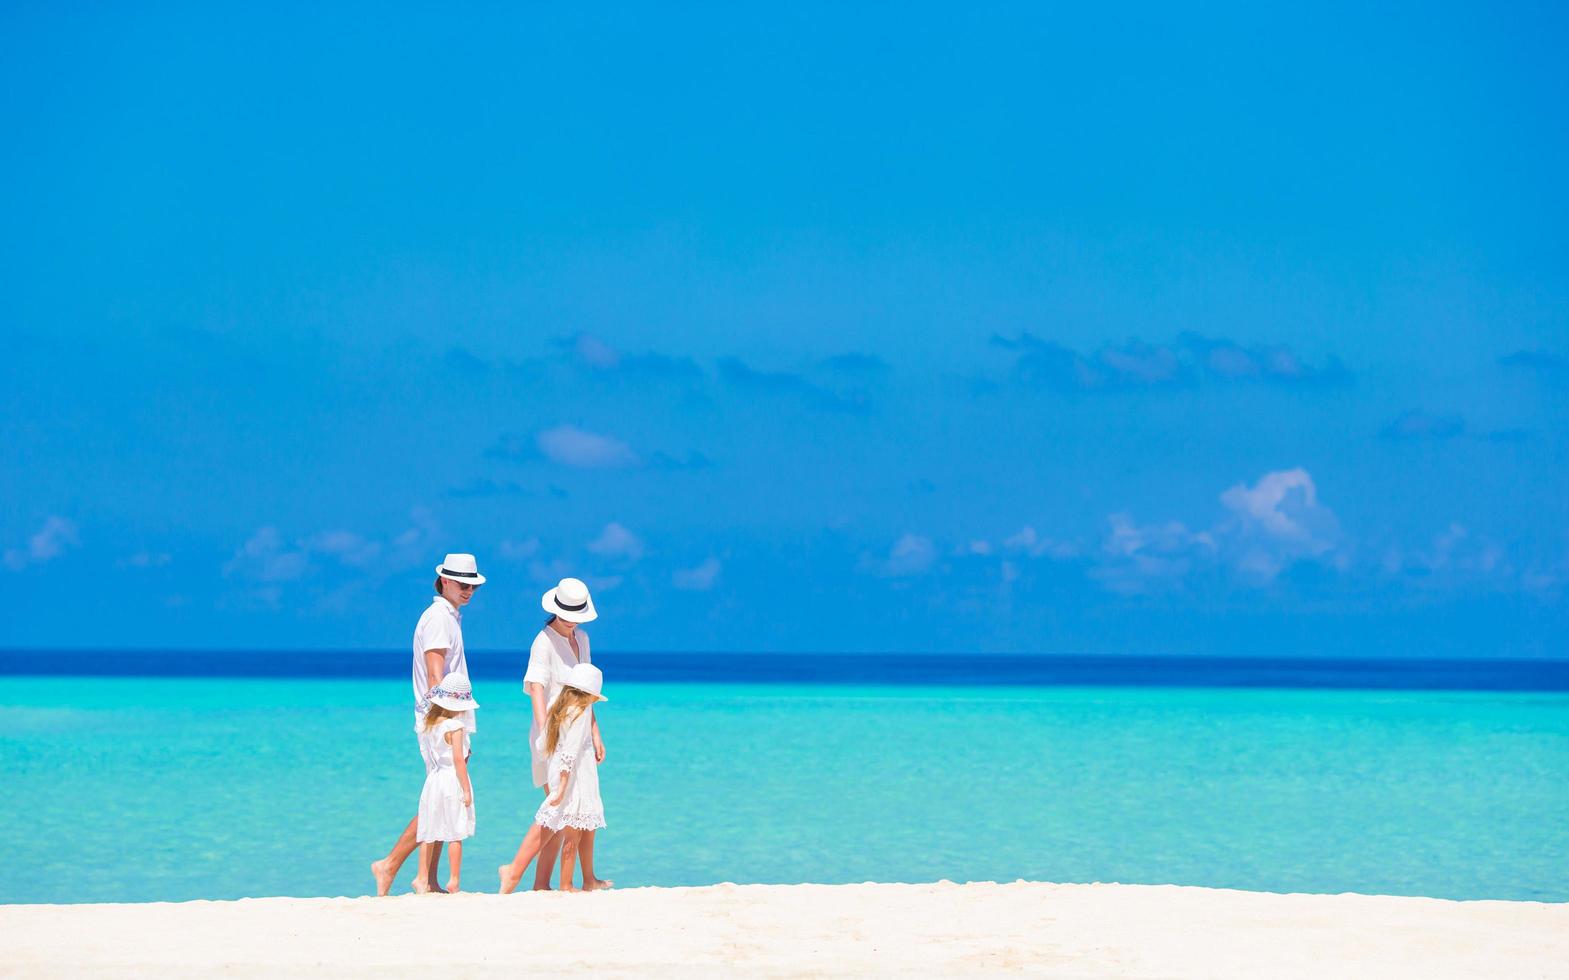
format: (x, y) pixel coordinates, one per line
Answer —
(461, 568)
(586, 678)
(570, 601)
(454, 693)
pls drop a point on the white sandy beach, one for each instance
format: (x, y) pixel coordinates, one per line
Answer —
(771, 930)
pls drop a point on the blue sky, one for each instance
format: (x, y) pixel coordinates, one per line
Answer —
(1135, 330)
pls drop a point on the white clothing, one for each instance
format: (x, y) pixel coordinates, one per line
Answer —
(442, 815)
(440, 628)
(581, 806)
(549, 659)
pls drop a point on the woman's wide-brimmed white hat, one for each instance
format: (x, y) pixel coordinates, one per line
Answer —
(454, 693)
(586, 678)
(461, 568)
(570, 600)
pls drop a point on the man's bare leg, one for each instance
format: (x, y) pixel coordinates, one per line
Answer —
(386, 870)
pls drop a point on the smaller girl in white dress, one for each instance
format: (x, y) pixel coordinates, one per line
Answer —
(573, 806)
(446, 806)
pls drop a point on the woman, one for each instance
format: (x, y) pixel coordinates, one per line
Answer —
(559, 647)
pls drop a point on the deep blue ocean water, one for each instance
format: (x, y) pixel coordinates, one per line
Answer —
(274, 774)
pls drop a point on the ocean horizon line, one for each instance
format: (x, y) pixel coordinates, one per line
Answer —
(834, 668)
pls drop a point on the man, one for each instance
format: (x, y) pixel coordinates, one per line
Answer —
(438, 651)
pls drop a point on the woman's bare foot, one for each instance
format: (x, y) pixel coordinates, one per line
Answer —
(452, 885)
(569, 888)
(509, 878)
(421, 887)
(598, 884)
(383, 876)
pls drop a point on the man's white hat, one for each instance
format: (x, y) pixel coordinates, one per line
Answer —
(570, 600)
(586, 678)
(461, 568)
(455, 693)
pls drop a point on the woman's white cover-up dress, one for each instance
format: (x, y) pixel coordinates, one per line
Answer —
(442, 815)
(549, 659)
(581, 807)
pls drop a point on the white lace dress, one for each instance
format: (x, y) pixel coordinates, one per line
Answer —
(442, 815)
(581, 807)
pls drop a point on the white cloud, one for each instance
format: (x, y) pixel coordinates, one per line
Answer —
(1026, 541)
(519, 550)
(1276, 522)
(571, 446)
(265, 558)
(1142, 558)
(615, 541)
(147, 559)
(699, 579)
(346, 546)
(46, 544)
(910, 555)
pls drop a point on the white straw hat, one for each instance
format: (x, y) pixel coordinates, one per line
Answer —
(570, 601)
(586, 678)
(461, 568)
(454, 693)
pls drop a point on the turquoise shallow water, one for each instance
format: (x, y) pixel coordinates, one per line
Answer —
(130, 789)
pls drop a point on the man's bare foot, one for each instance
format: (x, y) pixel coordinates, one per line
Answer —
(452, 885)
(383, 875)
(421, 887)
(598, 884)
(435, 887)
(509, 878)
(543, 888)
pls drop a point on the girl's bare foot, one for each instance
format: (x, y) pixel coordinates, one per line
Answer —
(452, 885)
(569, 888)
(421, 886)
(509, 878)
(598, 884)
(383, 876)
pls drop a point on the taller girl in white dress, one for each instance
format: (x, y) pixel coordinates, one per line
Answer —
(573, 808)
(573, 805)
(559, 647)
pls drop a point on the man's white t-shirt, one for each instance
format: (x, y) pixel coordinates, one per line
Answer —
(440, 628)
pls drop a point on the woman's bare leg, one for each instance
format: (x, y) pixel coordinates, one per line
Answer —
(512, 873)
(585, 849)
(547, 861)
(454, 864)
(569, 858)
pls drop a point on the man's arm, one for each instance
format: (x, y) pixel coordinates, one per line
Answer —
(435, 666)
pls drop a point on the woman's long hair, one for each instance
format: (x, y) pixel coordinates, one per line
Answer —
(570, 701)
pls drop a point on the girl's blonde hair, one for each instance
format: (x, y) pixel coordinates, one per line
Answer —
(569, 701)
(436, 715)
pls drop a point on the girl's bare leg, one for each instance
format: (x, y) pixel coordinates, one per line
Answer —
(454, 864)
(569, 858)
(547, 861)
(586, 851)
(422, 876)
(511, 874)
